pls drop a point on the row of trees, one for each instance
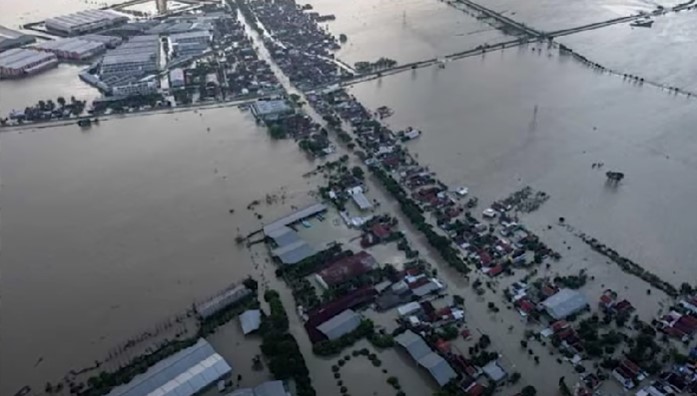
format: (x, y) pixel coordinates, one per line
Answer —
(415, 214)
(280, 348)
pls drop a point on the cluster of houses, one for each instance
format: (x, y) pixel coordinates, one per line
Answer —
(299, 46)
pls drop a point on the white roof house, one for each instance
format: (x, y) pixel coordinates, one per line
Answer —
(564, 303)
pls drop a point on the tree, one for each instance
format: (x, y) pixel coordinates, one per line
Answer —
(277, 132)
(357, 172)
(251, 284)
(528, 391)
(61, 101)
(458, 300)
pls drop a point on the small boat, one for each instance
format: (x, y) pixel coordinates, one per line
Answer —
(647, 23)
(306, 224)
(84, 123)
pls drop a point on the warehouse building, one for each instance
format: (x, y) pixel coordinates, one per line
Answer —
(271, 110)
(12, 39)
(108, 41)
(341, 324)
(76, 49)
(439, 369)
(186, 373)
(565, 303)
(177, 78)
(222, 300)
(21, 62)
(139, 56)
(84, 22)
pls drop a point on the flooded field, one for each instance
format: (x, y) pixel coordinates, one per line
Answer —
(405, 31)
(560, 118)
(551, 15)
(16, 13)
(108, 231)
(60, 81)
(664, 53)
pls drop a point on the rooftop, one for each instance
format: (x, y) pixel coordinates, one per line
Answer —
(250, 321)
(21, 57)
(341, 324)
(564, 303)
(347, 268)
(294, 252)
(183, 374)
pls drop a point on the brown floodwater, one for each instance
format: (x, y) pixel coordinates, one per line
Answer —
(108, 231)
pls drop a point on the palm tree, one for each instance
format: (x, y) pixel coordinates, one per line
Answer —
(61, 101)
(42, 104)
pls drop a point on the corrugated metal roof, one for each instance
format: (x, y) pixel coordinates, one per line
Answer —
(341, 324)
(564, 303)
(295, 216)
(250, 320)
(182, 374)
(293, 253)
(222, 300)
(283, 236)
(414, 344)
(438, 367)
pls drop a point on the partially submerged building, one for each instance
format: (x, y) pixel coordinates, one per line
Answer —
(439, 369)
(84, 22)
(22, 62)
(564, 303)
(345, 269)
(222, 300)
(271, 110)
(186, 373)
(341, 324)
(12, 39)
(77, 49)
(250, 321)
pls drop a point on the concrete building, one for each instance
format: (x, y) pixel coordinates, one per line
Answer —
(21, 62)
(110, 42)
(12, 39)
(186, 373)
(271, 110)
(134, 88)
(564, 303)
(84, 22)
(72, 48)
(341, 324)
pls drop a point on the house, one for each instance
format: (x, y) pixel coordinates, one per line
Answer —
(495, 372)
(628, 374)
(271, 110)
(345, 269)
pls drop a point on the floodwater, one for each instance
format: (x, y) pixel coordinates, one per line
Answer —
(18, 12)
(665, 53)
(60, 81)
(525, 117)
(108, 231)
(405, 31)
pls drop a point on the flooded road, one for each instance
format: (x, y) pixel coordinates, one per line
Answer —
(109, 231)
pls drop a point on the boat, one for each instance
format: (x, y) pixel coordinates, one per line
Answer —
(84, 123)
(642, 23)
(306, 224)
(462, 191)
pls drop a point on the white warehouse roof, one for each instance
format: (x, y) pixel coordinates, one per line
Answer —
(185, 373)
(19, 58)
(566, 302)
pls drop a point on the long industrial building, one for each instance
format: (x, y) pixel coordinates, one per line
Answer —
(84, 22)
(186, 373)
(21, 62)
(138, 56)
(12, 39)
(72, 48)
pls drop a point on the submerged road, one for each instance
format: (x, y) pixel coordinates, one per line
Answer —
(504, 20)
